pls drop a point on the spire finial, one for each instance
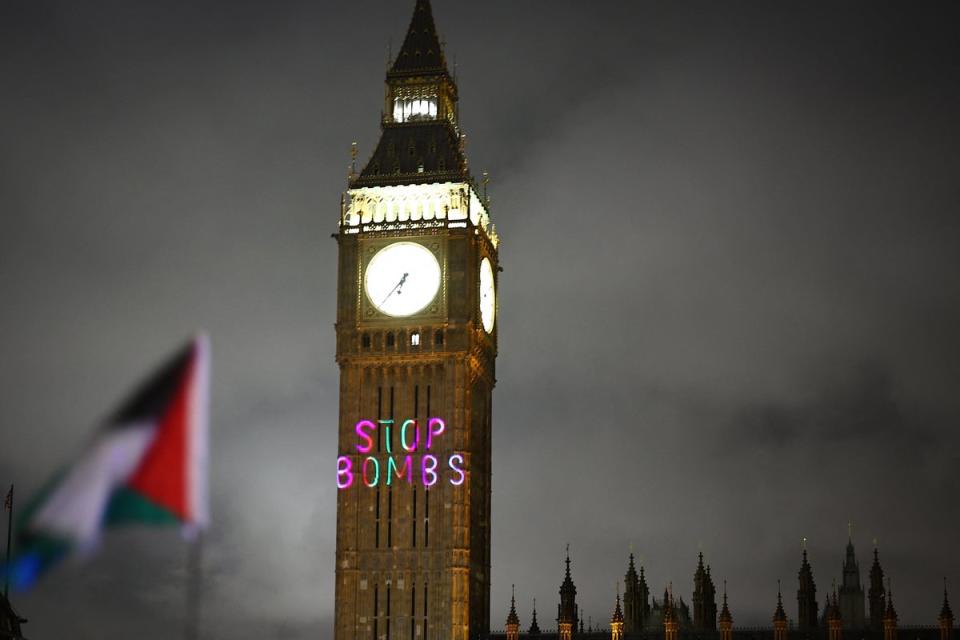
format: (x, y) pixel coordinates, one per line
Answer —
(724, 593)
(803, 543)
(850, 530)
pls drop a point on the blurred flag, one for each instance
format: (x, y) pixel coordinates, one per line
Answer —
(147, 464)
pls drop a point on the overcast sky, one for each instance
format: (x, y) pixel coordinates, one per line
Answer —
(730, 311)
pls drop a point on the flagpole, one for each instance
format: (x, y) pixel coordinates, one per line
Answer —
(194, 570)
(6, 573)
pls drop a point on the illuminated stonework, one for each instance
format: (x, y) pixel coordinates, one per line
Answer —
(395, 207)
(416, 347)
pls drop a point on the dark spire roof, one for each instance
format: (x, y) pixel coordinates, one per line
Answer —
(631, 569)
(833, 608)
(415, 154)
(534, 627)
(890, 613)
(945, 612)
(779, 614)
(807, 584)
(567, 586)
(725, 612)
(876, 571)
(421, 52)
(617, 612)
(512, 617)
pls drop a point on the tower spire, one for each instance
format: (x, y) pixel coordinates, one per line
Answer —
(534, 627)
(945, 611)
(946, 616)
(726, 620)
(512, 618)
(421, 51)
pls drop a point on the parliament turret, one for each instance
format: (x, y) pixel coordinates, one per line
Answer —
(807, 608)
(671, 625)
(946, 616)
(616, 622)
(534, 630)
(877, 594)
(834, 618)
(513, 620)
(633, 608)
(704, 599)
(779, 617)
(851, 591)
(567, 614)
(726, 620)
(889, 618)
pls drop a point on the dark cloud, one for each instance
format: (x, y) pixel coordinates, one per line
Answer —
(729, 309)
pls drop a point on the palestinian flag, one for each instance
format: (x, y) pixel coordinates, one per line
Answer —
(147, 464)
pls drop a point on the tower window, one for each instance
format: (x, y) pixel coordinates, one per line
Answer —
(391, 340)
(438, 337)
(415, 339)
(365, 341)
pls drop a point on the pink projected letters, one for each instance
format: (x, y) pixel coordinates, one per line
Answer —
(373, 469)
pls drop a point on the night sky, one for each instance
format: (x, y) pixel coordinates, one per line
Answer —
(730, 310)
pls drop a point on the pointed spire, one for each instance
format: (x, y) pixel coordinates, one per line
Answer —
(833, 610)
(945, 612)
(891, 612)
(512, 618)
(617, 612)
(725, 612)
(779, 614)
(534, 627)
(421, 51)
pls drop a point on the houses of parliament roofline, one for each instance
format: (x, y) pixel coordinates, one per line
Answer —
(848, 613)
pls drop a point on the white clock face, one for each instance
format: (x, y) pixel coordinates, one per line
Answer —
(402, 279)
(488, 300)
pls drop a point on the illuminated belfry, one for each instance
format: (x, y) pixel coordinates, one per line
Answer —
(416, 345)
(671, 625)
(834, 618)
(616, 621)
(513, 620)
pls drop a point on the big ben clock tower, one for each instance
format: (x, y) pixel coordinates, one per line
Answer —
(416, 344)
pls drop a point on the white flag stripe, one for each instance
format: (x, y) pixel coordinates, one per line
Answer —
(199, 434)
(75, 508)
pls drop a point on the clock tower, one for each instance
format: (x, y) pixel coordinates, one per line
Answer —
(416, 344)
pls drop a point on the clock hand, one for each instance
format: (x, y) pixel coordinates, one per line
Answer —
(396, 289)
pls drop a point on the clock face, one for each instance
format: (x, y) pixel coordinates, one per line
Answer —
(402, 279)
(488, 300)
